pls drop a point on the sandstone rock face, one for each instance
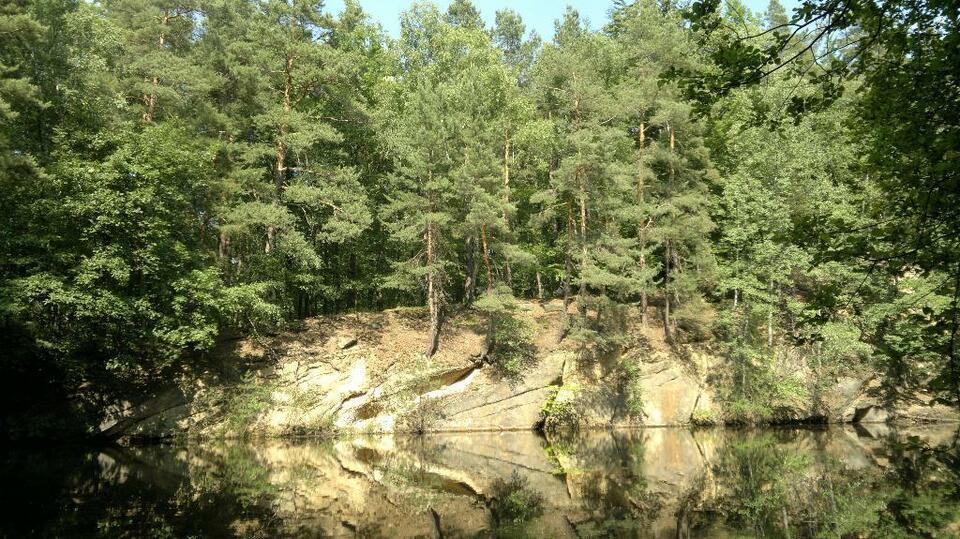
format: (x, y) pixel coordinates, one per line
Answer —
(477, 400)
(922, 409)
(492, 404)
(848, 395)
(157, 413)
(368, 375)
(670, 396)
(872, 414)
(853, 400)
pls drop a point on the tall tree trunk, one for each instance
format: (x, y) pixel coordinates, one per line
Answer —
(770, 328)
(150, 100)
(643, 293)
(280, 171)
(666, 296)
(486, 257)
(568, 260)
(736, 291)
(668, 250)
(491, 327)
(642, 239)
(433, 300)
(582, 296)
(955, 334)
(770, 316)
(745, 328)
(223, 245)
(539, 286)
(506, 198)
(469, 283)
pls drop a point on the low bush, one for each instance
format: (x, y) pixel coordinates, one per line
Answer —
(704, 417)
(560, 412)
(510, 347)
(512, 501)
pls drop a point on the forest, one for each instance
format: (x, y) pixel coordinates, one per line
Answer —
(176, 172)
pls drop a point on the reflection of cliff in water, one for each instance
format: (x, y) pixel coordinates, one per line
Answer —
(639, 483)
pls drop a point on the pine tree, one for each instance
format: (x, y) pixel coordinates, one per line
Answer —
(671, 166)
(451, 197)
(422, 197)
(588, 182)
(463, 13)
(508, 35)
(292, 195)
(160, 76)
(776, 15)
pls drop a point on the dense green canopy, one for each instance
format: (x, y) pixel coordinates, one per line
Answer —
(177, 171)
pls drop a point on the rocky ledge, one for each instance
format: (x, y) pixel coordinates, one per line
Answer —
(367, 373)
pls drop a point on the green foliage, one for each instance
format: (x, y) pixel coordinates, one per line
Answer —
(238, 471)
(608, 330)
(705, 417)
(560, 412)
(775, 486)
(241, 404)
(244, 305)
(894, 57)
(512, 501)
(171, 172)
(421, 416)
(758, 392)
(629, 383)
(842, 344)
(129, 278)
(510, 336)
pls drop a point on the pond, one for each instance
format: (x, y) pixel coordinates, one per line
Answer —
(849, 480)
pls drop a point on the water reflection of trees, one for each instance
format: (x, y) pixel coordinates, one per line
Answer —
(609, 471)
(609, 484)
(135, 493)
(785, 485)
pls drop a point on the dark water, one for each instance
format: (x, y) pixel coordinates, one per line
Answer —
(838, 482)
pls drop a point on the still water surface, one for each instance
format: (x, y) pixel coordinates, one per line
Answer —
(836, 482)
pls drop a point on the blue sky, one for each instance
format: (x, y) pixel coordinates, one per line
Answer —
(537, 14)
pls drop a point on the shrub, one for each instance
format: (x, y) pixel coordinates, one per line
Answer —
(509, 337)
(630, 386)
(243, 403)
(560, 411)
(604, 332)
(695, 319)
(513, 501)
(704, 417)
(420, 418)
(758, 392)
